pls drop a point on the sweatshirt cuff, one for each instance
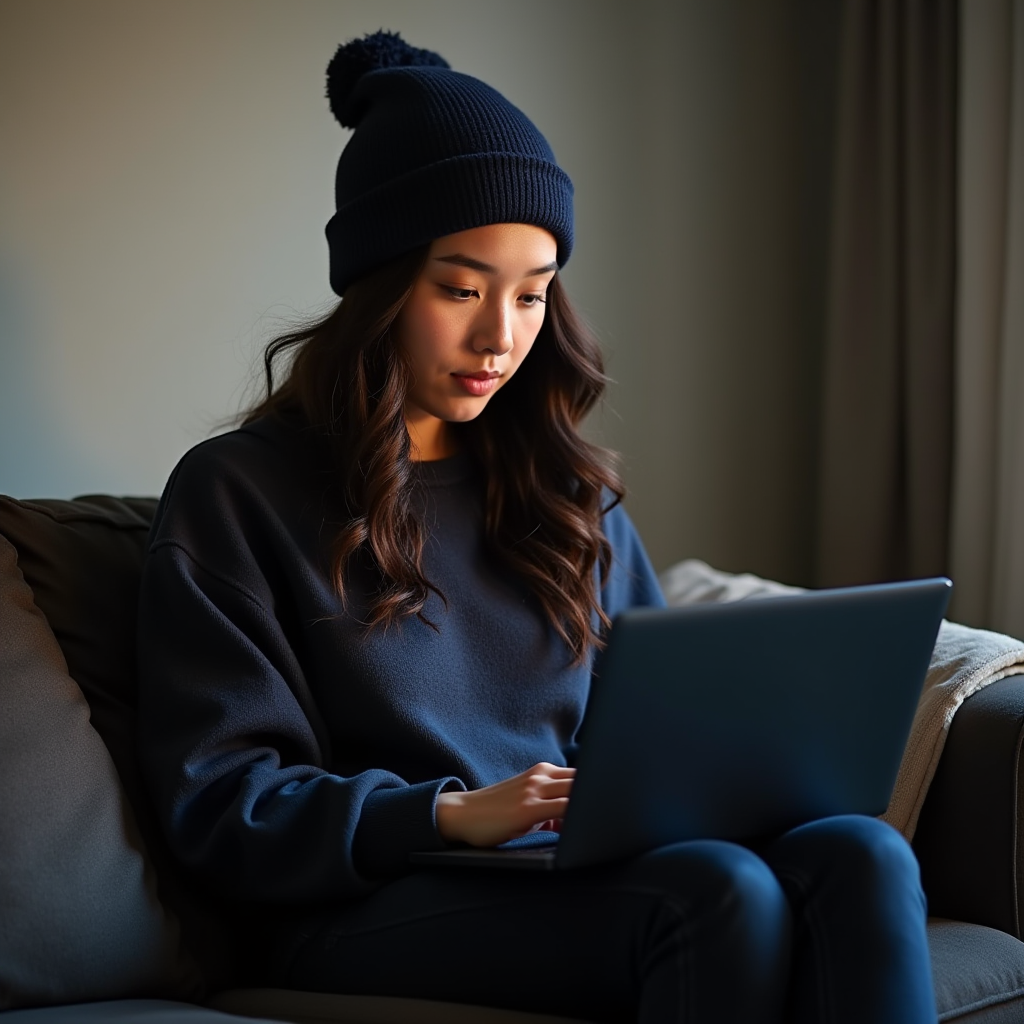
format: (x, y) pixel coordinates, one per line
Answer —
(395, 822)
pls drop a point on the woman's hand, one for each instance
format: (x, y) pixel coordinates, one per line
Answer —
(533, 800)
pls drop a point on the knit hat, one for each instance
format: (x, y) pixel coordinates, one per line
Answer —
(433, 152)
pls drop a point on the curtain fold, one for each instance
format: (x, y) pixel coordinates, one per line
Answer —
(987, 536)
(887, 403)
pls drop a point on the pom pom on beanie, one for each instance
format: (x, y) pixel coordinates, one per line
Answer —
(433, 152)
(355, 59)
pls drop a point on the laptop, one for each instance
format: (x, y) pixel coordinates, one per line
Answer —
(738, 721)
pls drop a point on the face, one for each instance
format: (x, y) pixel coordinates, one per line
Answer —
(472, 318)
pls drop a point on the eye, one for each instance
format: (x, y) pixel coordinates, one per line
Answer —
(460, 294)
(532, 299)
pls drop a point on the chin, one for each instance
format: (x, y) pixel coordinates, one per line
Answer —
(464, 412)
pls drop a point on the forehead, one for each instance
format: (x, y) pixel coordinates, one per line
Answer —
(508, 247)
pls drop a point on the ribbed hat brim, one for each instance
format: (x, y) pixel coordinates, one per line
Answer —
(442, 198)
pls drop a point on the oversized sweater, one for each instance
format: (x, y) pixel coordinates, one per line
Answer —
(292, 754)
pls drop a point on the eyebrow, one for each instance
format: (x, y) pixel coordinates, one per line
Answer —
(459, 259)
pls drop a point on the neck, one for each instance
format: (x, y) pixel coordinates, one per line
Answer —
(431, 439)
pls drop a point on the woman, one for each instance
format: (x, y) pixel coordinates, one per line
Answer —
(367, 618)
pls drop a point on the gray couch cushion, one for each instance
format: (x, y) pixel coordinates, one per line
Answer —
(978, 971)
(81, 918)
(83, 560)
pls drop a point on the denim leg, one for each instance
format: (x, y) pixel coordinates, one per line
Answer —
(723, 953)
(696, 932)
(860, 948)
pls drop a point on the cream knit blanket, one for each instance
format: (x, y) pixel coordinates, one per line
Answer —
(964, 661)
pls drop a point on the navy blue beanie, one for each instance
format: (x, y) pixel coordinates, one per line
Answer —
(433, 152)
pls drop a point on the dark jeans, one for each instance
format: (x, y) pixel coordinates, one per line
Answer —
(825, 924)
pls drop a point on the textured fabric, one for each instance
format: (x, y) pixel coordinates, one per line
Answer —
(293, 755)
(978, 971)
(435, 152)
(79, 913)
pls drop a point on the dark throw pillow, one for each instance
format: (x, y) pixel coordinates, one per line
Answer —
(83, 561)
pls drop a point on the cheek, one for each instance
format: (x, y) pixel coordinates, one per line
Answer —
(430, 335)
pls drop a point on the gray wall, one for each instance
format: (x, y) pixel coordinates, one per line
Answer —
(166, 172)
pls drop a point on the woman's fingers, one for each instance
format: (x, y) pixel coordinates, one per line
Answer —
(514, 807)
(546, 777)
(550, 788)
(553, 771)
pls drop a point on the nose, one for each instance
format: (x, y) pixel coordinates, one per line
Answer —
(494, 329)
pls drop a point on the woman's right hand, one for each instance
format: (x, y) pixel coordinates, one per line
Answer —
(534, 799)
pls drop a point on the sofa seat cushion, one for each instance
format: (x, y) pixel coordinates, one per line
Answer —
(978, 973)
(81, 917)
(327, 1008)
(979, 976)
(126, 1011)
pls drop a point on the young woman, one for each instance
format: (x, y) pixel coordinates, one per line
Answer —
(368, 615)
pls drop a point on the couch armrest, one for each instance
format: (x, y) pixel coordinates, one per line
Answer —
(969, 837)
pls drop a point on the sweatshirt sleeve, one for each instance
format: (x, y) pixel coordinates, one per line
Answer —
(230, 739)
(631, 580)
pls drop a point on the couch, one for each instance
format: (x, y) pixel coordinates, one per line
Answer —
(98, 923)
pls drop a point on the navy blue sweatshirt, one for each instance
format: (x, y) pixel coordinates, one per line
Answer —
(292, 755)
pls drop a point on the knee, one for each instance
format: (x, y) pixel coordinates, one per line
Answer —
(870, 845)
(723, 903)
(861, 852)
(720, 880)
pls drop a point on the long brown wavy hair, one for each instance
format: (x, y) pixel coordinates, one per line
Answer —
(546, 486)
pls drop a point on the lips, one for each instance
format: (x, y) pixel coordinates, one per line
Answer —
(478, 384)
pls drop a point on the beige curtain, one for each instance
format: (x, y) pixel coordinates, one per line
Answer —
(887, 401)
(987, 536)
